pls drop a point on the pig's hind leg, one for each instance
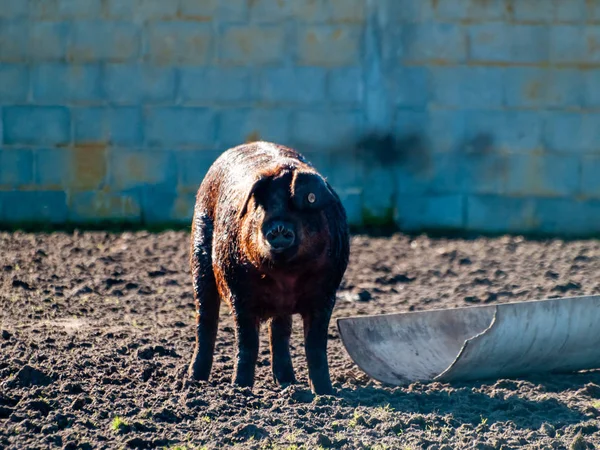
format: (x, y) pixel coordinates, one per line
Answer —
(206, 298)
(280, 329)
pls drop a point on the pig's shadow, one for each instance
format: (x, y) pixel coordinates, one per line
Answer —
(482, 402)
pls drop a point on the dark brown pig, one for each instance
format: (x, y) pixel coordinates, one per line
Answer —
(270, 238)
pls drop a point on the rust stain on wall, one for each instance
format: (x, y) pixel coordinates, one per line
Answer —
(534, 90)
(106, 205)
(182, 208)
(253, 136)
(88, 165)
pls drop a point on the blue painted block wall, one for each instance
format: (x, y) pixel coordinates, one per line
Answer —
(462, 114)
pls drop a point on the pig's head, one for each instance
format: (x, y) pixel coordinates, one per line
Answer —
(282, 218)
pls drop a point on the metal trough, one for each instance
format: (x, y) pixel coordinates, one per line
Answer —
(478, 342)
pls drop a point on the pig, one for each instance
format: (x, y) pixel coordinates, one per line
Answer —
(269, 238)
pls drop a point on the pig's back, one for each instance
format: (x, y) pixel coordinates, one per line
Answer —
(230, 177)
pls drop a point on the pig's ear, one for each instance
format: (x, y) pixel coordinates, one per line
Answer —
(255, 187)
(310, 191)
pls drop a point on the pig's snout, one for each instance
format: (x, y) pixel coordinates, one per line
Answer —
(280, 235)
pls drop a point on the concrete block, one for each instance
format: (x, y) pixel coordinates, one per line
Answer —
(20, 207)
(233, 11)
(335, 11)
(432, 174)
(542, 175)
(130, 169)
(248, 124)
(345, 85)
(324, 45)
(348, 11)
(570, 44)
(104, 41)
(473, 10)
(179, 43)
(14, 9)
(529, 43)
(16, 167)
(317, 11)
(592, 10)
(141, 10)
(490, 42)
(166, 207)
(326, 129)
(521, 130)
(49, 207)
(161, 206)
(43, 9)
(270, 11)
(574, 11)
(82, 167)
(59, 83)
(407, 11)
(484, 172)
(497, 214)
(293, 85)
(157, 204)
(434, 212)
(245, 44)
(378, 192)
(94, 206)
(344, 169)
(484, 130)
(116, 126)
(139, 83)
(44, 125)
(503, 130)
(445, 130)
(54, 168)
(201, 11)
(592, 41)
(413, 86)
(192, 166)
(352, 203)
(411, 123)
(175, 126)
(197, 84)
(14, 42)
(78, 9)
(572, 132)
(591, 88)
(590, 176)
(502, 42)
(426, 42)
(463, 87)
(567, 217)
(532, 87)
(183, 208)
(534, 11)
(48, 41)
(527, 86)
(14, 83)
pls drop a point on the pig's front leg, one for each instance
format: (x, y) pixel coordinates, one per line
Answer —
(316, 325)
(246, 332)
(281, 361)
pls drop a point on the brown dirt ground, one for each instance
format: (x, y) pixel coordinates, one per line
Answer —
(96, 334)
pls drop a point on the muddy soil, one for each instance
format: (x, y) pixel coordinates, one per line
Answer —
(96, 333)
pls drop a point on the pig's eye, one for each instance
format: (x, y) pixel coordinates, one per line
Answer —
(312, 198)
